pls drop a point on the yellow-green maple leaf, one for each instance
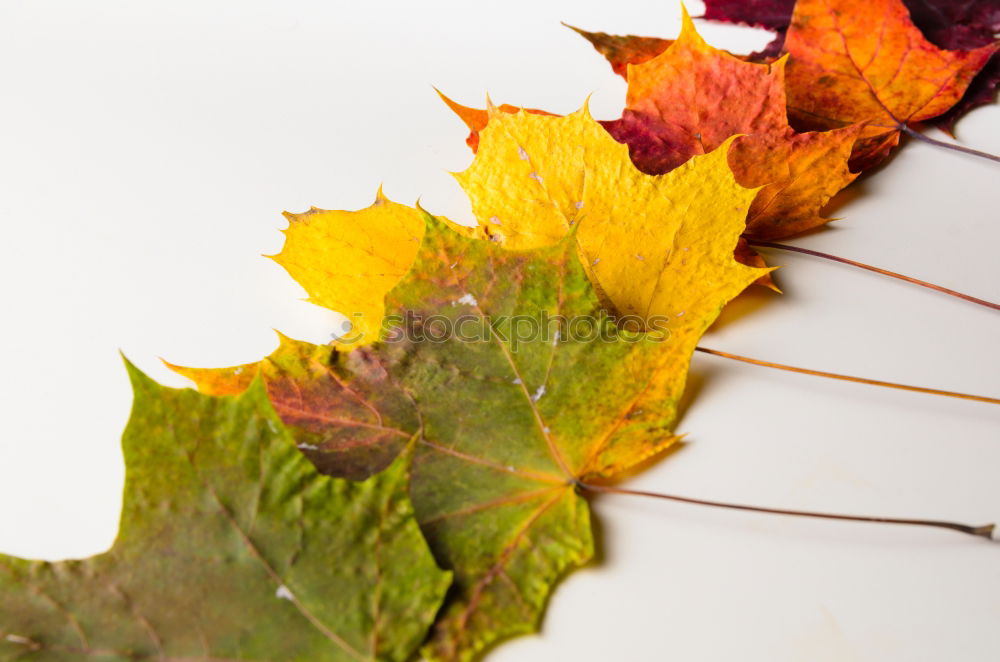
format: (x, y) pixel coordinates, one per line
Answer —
(506, 430)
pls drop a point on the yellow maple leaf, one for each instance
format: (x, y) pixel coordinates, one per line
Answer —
(348, 260)
(657, 247)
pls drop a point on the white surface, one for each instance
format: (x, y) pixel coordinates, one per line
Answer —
(148, 148)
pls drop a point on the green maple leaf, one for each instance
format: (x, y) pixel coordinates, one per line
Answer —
(232, 547)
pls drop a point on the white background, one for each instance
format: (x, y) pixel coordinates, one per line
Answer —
(148, 148)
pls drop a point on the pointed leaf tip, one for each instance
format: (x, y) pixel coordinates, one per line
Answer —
(139, 379)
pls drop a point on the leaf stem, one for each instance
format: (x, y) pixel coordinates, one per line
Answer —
(884, 272)
(940, 143)
(984, 531)
(848, 378)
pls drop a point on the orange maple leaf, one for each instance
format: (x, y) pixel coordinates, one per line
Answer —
(692, 97)
(865, 60)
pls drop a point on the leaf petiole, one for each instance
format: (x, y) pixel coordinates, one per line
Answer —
(868, 267)
(913, 133)
(984, 531)
(848, 378)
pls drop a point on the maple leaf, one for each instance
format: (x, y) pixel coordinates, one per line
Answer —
(232, 546)
(354, 280)
(743, 253)
(649, 243)
(506, 423)
(691, 98)
(948, 24)
(962, 25)
(865, 61)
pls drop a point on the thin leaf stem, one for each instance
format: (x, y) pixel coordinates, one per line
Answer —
(884, 272)
(983, 531)
(913, 133)
(848, 378)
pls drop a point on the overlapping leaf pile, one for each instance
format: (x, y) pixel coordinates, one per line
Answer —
(504, 433)
(404, 492)
(882, 63)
